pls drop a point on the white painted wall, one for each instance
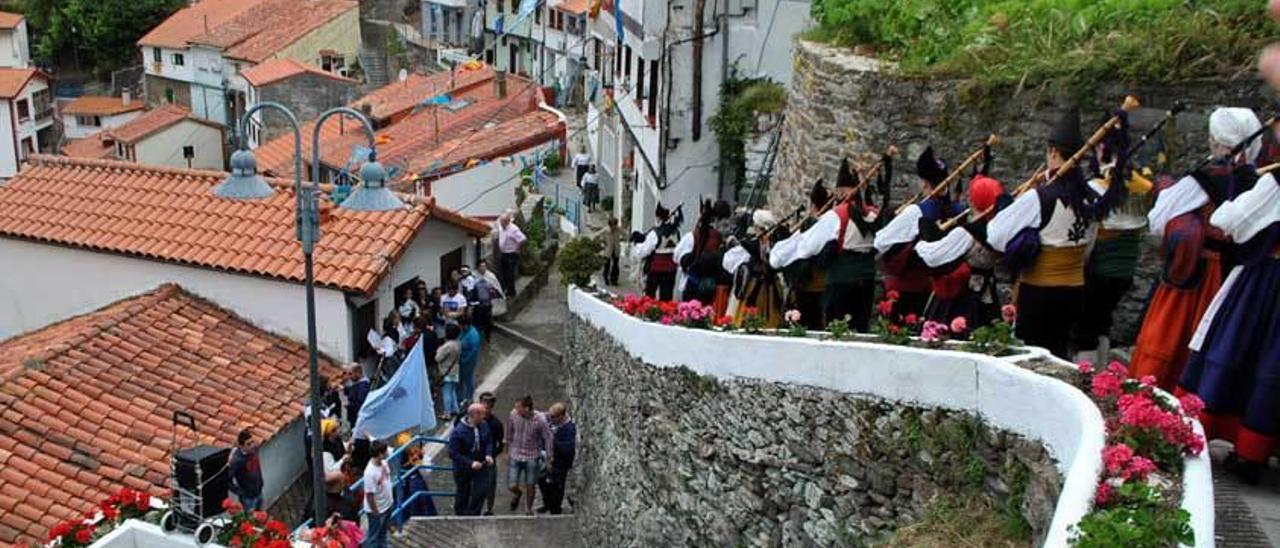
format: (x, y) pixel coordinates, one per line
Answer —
(8, 141)
(33, 125)
(76, 131)
(208, 84)
(164, 148)
(165, 68)
(1038, 407)
(14, 49)
(422, 260)
(479, 187)
(49, 285)
(282, 459)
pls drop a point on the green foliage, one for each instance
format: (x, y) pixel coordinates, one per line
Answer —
(891, 333)
(1076, 42)
(606, 203)
(579, 258)
(996, 339)
(839, 329)
(952, 519)
(100, 34)
(752, 321)
(553, 162)
(535, 230)
(1137, 517)
(741, 101)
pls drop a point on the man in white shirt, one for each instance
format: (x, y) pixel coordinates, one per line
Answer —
(453, 304)
(580, 162)
(590, 188)
(510, 240)
(378, 496)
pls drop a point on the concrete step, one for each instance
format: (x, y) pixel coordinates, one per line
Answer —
(488, 532)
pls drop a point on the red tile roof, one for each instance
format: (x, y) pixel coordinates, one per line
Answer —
(388, 104)
(265, 28)
(194, 20)
(93, 146)
(525, 132)
(14, 80)
(155, 120)
(101, 105)
(86, 404)
(276, 70)
(172, 215)
(10, 20)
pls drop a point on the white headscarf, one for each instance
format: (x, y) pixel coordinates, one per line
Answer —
(763, 219)
(1231, 126)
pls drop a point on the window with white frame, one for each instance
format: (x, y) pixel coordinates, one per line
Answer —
(179, 59)
(88, 120)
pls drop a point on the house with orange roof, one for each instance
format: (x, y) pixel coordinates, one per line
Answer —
(26, 117)
(15, 48)
(133, 227)
(303, 88)
(84, 116)
(545, 46)
(464, 149)
(194, 57)
(168, 135)
(88, 403)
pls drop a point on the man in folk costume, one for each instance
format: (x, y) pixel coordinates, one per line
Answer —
(963, 264)
(807, 278)
(1235, 364)
(903, 272)
(699, 255)
(1045, 235)
(657, 250)
(844, 236)
(756, 284)
(1196, 253)
(1112, 263)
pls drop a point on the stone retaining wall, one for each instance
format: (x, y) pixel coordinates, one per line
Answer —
(678, 459)
(842, 104)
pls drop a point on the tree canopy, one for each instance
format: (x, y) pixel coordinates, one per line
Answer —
(98, 35)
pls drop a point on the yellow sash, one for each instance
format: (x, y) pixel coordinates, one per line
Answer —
(1057, 267)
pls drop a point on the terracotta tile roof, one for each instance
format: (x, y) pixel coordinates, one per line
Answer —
(101, 105)
(155, 120)
(194, 20)
(388, 104)
(13, 80)
(264, 29)
(86, 404)
(279, 69)
(525, 132)
(576, 7)
(93, 146)
(10, 20)
(171, 214)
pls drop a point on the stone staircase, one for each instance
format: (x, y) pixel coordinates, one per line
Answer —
(374, 63)
(488, 532)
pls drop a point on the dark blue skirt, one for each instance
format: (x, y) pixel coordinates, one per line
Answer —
(1237, 370)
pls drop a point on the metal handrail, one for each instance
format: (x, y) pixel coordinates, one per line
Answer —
(395, 514)
(400, 451)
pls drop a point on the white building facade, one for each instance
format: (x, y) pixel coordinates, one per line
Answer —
(647, 120)
(26, 116)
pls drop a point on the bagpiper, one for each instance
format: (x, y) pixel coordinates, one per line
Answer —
(807, 278)
(656, 249)
(963, 264)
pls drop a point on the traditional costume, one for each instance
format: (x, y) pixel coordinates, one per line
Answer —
(1045, 235)
(903, 272)
(843, 236)
(756, 285)
(807, 278)
(1194, 251)
(1235, 366)
(963, 264)
(657, 251)
(1112, 265)
(699, 255)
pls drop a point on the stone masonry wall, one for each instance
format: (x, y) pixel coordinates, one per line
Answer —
(842, 104)
(673, 458)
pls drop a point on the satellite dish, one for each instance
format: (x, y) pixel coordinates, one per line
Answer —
(403, 75)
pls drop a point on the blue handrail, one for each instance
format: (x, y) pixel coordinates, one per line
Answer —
(395, 515)
(400, 451)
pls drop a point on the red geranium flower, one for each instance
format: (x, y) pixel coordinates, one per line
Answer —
(911, 319)
(83, 536)
(259, 516)
(247, 528)
(892, 295)
(885, 307)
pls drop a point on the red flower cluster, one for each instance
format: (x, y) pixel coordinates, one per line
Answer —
(687, 314)
(73, 533)
(125, 504)
(253, 529)
(1120, 461)
(1139, 411)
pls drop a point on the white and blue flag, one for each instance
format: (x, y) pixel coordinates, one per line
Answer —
(403, 403)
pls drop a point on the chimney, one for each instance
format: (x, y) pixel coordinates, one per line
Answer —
(500, 83)
(126, 97)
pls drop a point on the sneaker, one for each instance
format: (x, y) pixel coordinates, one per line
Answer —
(515, 503)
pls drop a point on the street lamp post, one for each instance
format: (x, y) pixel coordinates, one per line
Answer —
(244, 183)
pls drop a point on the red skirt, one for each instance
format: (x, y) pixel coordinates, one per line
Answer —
(721, 302)
(1172, 317)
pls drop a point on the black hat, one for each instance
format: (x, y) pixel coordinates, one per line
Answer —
(1066, 133)
(661, 212)
(847, 178)
(819, 196)
(930, 168)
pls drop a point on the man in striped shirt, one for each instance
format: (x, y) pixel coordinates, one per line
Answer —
(528, 436)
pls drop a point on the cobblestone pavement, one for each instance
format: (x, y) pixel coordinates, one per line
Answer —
(1246, 515)
(539, 532)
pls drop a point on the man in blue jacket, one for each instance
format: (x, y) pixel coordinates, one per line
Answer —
(564, 445)
(470, 341)
(471, 448)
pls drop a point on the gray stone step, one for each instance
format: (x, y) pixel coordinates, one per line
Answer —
(487, 532)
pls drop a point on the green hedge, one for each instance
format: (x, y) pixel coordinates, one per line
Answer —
(1029, 42)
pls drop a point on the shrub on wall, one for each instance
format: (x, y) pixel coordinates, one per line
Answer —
(579, 258)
